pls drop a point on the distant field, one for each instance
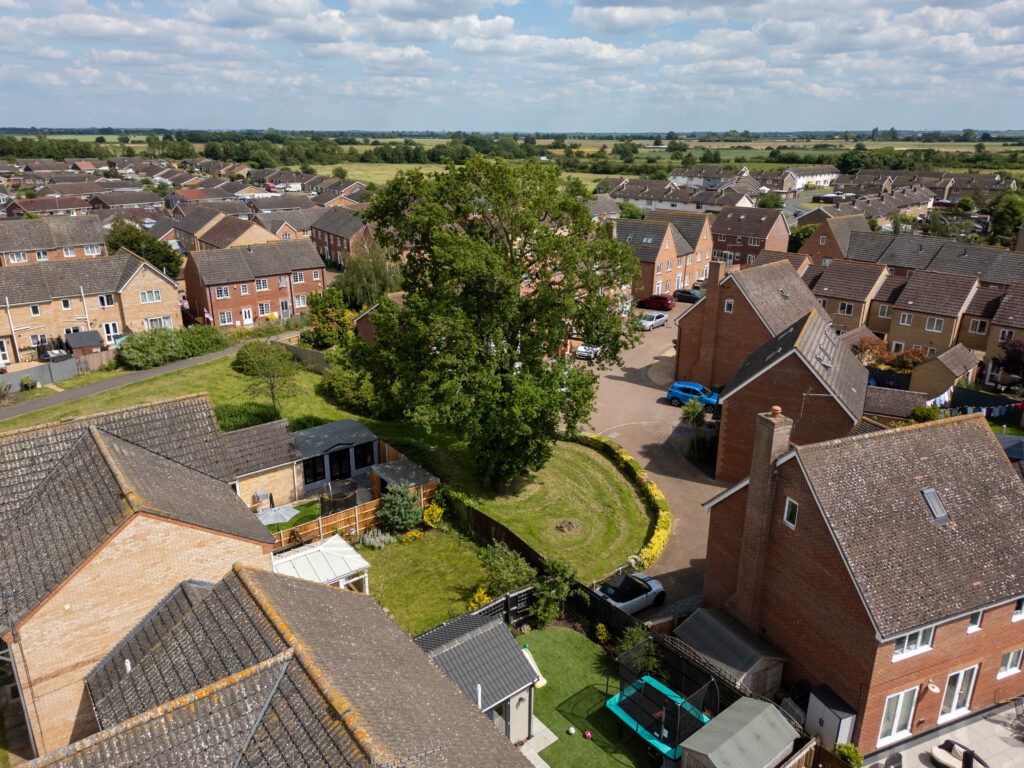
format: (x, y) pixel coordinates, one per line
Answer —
(110, 138)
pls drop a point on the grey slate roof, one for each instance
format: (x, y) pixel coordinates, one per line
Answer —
(897, 403)
(318, 676)
(646, 238)
(402, 471)
(959, 360)
(777, 293)
(83, 339)
(196, 219)
(49, 232)
(910, 570)
(112, 199)
(281, 203)
(300, 219)
(245, 263)
(936, 293)
(260, 447)
(843, 228)
(316, 441)
(339, 222)
(725, 642)
(41, 282)
(850, 280)
(819, 349)
(479, 650)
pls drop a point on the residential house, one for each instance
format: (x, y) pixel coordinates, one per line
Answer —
(266, 463)
(338, 233)
(185, 195)
(741, 311)
(660, 195)
(255, 283)
(278, 203)
(801, 177)
(805, 370)
(795, 554)
(287, 225)
(602, 208)
(661, 251)
(696, 230)
(229, 232)
(104, 515)
(914, 202)
(1007, 325)
(72, 188)
(977, 319)
(230, 207)
(929, 310)
(739, 234)
(845, 290)
(263, 669)
(48, 206)
(479, 654)
(798, 261)
(46, 301)
(26, 241)
(125, 200)
(880, 313)
(957, 366)
(831, 240)
(704, 176)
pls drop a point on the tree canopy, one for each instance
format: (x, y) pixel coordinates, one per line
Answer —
(503, 266)
(124, 234)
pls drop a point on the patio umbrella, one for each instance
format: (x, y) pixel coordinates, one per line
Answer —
(273, 515)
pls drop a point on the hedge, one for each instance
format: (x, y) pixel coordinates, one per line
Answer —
(649, 492)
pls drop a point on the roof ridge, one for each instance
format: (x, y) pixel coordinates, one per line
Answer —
(353, 720)
(892, 430)
(476, 631)
(167, 707)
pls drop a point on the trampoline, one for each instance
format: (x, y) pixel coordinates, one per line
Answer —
(659, 715)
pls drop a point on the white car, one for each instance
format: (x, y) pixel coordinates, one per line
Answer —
(587, 351)
(653, 320)
(632, 592)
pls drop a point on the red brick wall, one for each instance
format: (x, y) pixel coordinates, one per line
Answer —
(817, 251)
(205, 297)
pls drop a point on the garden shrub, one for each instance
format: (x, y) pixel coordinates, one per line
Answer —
(351, 388)
(557, 582)
(922, 413)
(479, 599)
(504, 569)
(850, 754)
(601, 634)
(631, 636)
(432, 515)
(399, 509)
(232, 416)
(160, 346)
(199, 340)
(375, 538)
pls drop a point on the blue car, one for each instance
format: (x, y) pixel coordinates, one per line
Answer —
(684, 391)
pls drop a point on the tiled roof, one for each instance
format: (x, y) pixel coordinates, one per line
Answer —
(936, 293)
(910, 569)
(228, 207)
(689, 223)
(225, 232)
(843, 228)
(891, 289)
(959, 360)
(850, 280)
(260, 447)
(300, 219)
(317, 675)
(89, 187)
(896, 403)
(41, 282)
(647, 237)
(479, 650)
(281, 202)
(49, 232)
(196, 218)
(811, 339)
(245, 263)
(1011, 309)
(112, 199)
(316, 441)
(745, 222)
(777, 293)
(340, 222)
(985, 302)
(48, 204)
(602, 205)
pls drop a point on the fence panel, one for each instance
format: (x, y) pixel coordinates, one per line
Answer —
(490, 529)
(93, 362)
(352, 522)
(313, 359)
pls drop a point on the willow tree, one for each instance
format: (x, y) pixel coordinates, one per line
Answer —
(502, 266)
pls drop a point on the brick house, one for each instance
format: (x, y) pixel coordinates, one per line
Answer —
(661, 251)
(957, 366)
(741, 311)
(48, 206)
(739, 234)
(119, 294)
(1007, 325)
(251, 284)
(338, 233)
(278, 203)
(806, 370)
(118, 201)
(886, 566)
(696, 230)
(831, 240)
(845, 290)
(98, 543)
(288, 225)
(26, 241)
(929, 310)
(977, 319)
(880, 314)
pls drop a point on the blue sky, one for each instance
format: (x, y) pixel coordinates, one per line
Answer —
(526, 65)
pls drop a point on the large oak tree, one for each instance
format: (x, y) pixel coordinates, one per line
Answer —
(503, 265)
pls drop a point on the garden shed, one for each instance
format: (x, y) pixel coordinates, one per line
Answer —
(748, 734)
(332, 561)
(399, 472)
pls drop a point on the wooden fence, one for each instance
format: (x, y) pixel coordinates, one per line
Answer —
(351, 523)
(313, 359)
(94, 361)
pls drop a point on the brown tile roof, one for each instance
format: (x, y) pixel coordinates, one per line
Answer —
(260, 447)
(340, 222)
(891, 289)
(50, 204)
(935, 293)
(41, 282)
(959, 360)
(985, 302)
(910, 569)
(49, 232)
(225, 232)
(246, 263)
(843, 228)
(777, 293)
(746, 222)
(896, 403)
(798, 261)
(1011, 309)
(850, 280)
(689, 223)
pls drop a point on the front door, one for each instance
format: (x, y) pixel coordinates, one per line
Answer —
(247, 316)
(284, 309)
(957, 699)
(110, 331)
(340, 464)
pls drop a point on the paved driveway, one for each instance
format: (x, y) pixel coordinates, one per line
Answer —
(632, 410)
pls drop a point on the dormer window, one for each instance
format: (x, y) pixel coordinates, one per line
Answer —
(974, 622)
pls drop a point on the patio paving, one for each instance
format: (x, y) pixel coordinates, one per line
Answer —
(991, 734)
(543, 738)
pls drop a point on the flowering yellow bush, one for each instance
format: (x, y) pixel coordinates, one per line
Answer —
(411, 536)
(432, 514)
(480, 598)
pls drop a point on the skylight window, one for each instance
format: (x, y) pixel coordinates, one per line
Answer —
(938, 509)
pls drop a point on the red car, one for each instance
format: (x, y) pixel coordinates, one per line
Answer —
(656, 302)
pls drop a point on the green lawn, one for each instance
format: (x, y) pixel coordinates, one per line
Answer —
(308, 511)
(1010, 429)
(424, 581)
(580, 678)
(580, 486)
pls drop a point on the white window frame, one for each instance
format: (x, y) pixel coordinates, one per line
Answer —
(42, 255)
(821, 240)
(300, 300)
(298, 277)
(65, 303)
(974, 622)
(163, 321)
(92, 250)
(72, 329)
(243, 289)
(898, 346)
(978, 326)
(69, 252)
(106, 300)
(224, 318)
(790, 512)
(727, 306)
(1010, 663)
(1005, 334)
(18, 257)
(262, 284)
(282, 281)
(110, 330)
(903, 705)
(1018, 610)
(956, 698)
(316, 274)
(263, 308)
(885, 311)
(33, 309)
(933, 324)
(906, 318)
(913, 643)
(845, 309)
(151, 296)
(222, 292)
(37, 339)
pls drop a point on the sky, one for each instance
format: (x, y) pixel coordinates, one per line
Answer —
(513, 65)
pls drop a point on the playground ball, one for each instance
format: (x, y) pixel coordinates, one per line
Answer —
(572, 730)
(586, 734)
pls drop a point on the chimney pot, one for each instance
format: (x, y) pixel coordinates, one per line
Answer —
(776, 411)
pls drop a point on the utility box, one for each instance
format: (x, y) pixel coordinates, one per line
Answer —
(829, 717)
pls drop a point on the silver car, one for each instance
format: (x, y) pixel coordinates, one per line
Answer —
(632, 592)
(653, 320)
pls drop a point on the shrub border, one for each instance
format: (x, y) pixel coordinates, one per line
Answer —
(655, 500)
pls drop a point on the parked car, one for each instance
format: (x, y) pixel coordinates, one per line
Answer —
(657, 301)
(687, 295)
(587, 351)
(653, 320)
(632, 592)
(699, 285)
(685, 391)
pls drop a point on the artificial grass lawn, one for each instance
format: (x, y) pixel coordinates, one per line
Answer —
(308, 511)
(580, 678)
(580, 486)
(426, 580)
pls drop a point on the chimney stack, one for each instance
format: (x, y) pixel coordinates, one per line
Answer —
(771, 440)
